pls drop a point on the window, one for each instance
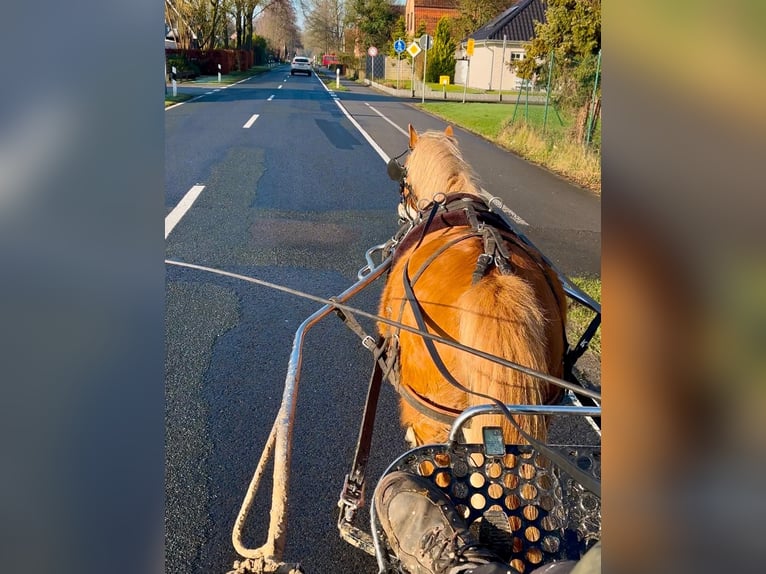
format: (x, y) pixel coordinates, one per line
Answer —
(517, 56)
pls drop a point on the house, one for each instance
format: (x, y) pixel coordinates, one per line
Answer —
(498, 43)
(428, 11)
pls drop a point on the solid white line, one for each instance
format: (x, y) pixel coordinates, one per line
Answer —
(251, 121)
(271, 97)
(366, 136)
(508, 211)
(180, 210)
(404, 132)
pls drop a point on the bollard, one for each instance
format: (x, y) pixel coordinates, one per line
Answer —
(337, 78)
(219, 73)
(173, 77)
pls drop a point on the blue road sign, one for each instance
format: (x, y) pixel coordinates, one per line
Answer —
(399, 46)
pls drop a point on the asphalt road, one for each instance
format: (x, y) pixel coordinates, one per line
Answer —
(295, 198)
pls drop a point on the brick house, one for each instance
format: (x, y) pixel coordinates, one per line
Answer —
(428, 11)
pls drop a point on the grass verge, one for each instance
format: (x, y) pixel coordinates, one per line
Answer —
(170, 100)
(529, 131)
(579, 317)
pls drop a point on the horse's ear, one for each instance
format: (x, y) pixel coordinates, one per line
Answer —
(448, 132)
(413, 136)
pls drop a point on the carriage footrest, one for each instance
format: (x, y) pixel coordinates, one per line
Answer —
(520, 504)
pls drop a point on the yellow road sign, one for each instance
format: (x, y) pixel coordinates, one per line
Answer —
(413, 49)
(469, 47)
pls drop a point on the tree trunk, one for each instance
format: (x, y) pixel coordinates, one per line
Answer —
(581, 122)
(239, 28)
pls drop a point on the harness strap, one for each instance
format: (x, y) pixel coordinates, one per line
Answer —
(583, 478)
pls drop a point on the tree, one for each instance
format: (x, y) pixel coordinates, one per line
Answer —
(441, 57)
(374, 19)
(475, 13)
(572, 35)
(324, 24)
(277, 23)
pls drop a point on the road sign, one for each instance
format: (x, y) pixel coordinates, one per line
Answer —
(413, 49)
(426, 42)
(372, 51)
(399, 46)
(469, 47)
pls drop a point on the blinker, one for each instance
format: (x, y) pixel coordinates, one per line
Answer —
(396, 171)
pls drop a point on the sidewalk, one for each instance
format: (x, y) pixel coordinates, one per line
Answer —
(438, 95)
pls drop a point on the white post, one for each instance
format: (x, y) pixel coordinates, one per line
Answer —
(219, 73)
(399, 71)
(412, 83)
(502, 66)
(372, 75)
(337, 78)
(467, 73)
(173, 71)
(425, 67)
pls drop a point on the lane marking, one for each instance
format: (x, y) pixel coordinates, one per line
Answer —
(279, 87)
(251, 121)
(403, 132)
(172, 218)
(366, 136)
(271, 97)
(507, 210)
(205, 94)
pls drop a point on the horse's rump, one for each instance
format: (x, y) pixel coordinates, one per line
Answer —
(518, 317)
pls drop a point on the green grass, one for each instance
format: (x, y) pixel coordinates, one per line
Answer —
(488, 119)
(330, 83)
(520, 129)
(229, 78)
(405, 84)
(579, 317)
(170, 100)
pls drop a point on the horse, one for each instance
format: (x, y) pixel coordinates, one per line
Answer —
(476, 284)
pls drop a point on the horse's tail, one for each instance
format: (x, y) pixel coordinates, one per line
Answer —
(502, 315)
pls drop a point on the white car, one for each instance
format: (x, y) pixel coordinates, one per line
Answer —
(300, 65)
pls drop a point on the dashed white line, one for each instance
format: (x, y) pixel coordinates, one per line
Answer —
(404, 132)
(271, 97)
(172, 218)
(279, 87)
(251, 121)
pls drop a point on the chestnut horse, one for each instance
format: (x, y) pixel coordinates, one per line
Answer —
(514, 308)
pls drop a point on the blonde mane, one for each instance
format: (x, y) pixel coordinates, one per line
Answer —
(437, 166)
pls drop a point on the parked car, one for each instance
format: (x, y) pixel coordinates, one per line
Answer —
(300, 65)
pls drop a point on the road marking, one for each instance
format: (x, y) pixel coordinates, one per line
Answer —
(251, 121)
(172, 218)
(271, 97)
(404, 132)
(507, 210)
(280, 86)
(366, 136)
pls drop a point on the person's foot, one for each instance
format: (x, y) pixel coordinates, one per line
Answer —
(425, 532)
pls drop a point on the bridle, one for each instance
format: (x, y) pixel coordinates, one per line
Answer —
(408, 207)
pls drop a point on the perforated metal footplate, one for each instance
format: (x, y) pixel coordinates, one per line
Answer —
(525, 508)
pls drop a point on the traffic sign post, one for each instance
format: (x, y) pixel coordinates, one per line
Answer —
(372, 51)
(399, 47)
(413, 50)
(468, 52)
(425, 42)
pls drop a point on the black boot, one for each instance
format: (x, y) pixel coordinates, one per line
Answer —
(425, 531)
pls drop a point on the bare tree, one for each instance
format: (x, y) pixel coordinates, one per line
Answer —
(277, 22)
(324, 24)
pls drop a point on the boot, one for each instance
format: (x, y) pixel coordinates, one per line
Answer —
(426, 533)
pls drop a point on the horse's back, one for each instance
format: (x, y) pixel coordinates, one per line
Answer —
(516, 317)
